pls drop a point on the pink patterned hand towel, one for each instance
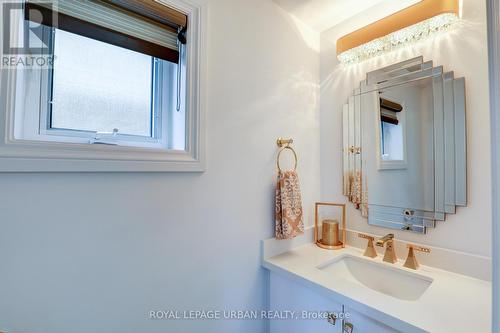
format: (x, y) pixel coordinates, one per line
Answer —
(288, 214)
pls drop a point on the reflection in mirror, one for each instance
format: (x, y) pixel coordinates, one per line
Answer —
(399, 164)
(391, 130)
(404, 146)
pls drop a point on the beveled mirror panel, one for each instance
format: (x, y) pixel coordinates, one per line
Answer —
(404, 146)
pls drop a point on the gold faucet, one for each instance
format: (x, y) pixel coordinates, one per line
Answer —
(411, 261)
(390, 253)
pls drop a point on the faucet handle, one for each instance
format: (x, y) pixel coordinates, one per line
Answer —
(370, 249)
(411, 261)
(366, 237)
(419, 248)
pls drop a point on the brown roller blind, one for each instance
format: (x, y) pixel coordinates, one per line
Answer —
(390, 105)
(389, 110)
(387, 119)
(153, 10)
(114, 24)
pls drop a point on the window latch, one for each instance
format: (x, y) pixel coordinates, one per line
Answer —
(105, 138)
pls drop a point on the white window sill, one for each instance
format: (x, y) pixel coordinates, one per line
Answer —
(32, 156)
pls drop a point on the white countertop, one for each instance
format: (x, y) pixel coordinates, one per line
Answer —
(453, 303)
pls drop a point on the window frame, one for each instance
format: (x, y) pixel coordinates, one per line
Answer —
(383, 164)
(158, 138)
(34, 156)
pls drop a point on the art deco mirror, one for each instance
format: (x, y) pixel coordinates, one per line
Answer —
(404, 136)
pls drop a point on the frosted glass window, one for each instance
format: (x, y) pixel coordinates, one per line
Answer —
(99, 87)
(392, 141)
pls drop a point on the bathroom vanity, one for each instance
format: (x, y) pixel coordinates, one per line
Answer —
(404, 168)
(371, 296)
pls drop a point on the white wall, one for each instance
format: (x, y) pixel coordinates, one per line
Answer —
(96, 252)
(463, 50)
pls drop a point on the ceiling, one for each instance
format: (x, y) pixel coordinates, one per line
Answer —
(324, 14)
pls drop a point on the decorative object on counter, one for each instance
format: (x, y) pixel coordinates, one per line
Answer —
(370, 249)
(330, 232)
(409, 25)
(326, 242)
(288, 212)
(411, 261)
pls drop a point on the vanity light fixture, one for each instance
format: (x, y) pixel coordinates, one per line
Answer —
(408, 25)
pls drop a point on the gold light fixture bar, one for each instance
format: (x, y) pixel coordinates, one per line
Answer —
(408, 17)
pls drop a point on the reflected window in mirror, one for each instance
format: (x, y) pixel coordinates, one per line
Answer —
(392, 123)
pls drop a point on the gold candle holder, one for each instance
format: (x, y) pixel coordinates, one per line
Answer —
(329, 234)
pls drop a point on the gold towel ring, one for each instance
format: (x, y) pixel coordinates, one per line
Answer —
(279, 155)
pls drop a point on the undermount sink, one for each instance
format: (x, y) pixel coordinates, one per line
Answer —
(378, 276)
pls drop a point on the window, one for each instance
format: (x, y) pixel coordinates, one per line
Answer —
(392, 141)
(122, 85)
(392, 136)
(93, 94)
(102, 105)
(102, 90)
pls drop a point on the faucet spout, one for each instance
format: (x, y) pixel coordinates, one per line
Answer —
(382, 241)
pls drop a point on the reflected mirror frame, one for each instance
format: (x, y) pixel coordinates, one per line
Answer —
(376, 75)
(387, 76)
